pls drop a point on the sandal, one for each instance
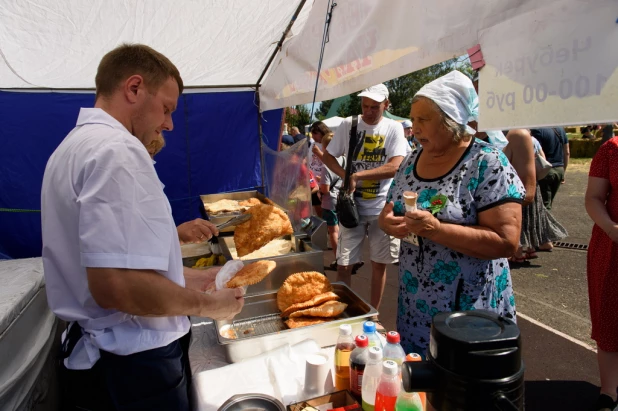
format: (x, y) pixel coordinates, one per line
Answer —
(530, 255)
(517, 261)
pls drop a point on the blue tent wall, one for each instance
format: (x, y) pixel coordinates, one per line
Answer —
(213, 148)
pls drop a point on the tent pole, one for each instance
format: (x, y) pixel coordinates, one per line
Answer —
(259, 124)
(285, 33)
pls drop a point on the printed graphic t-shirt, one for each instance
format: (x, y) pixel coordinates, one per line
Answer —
(381, 142)
(315, 164)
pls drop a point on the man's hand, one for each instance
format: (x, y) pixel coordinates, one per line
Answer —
(227, 303)
(353, 182)
(422, 223)
(196, 231)
(200, 280)
(391, 224)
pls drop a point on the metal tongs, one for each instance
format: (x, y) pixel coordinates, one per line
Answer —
(235, 221)
(214, 241)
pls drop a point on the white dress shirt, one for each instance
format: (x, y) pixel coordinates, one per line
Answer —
(103, 206)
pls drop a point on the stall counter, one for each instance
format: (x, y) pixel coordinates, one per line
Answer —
(279, 373)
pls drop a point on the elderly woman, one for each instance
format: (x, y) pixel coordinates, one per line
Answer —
(454, 248)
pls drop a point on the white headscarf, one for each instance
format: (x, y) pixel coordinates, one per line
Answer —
(454, 93)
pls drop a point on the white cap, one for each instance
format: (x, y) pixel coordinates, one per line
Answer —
(390, 367)
(378, 93)
(406, 123)
(345, 329)
(375, 353)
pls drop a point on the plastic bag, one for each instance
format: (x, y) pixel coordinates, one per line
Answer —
(287, 181)
(225, 274)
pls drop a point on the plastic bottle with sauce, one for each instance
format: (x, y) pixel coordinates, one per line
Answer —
(393, 350)
(388, 387)
(409, 401)
(345, 345)
(369, 330)
(358, 360)
(371, 377)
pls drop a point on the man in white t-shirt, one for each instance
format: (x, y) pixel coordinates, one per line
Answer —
(373, 168)
(111, 253)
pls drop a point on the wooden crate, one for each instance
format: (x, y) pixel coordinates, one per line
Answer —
(339, 399)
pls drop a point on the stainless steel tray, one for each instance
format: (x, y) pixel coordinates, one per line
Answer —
(239, 196)
(304, 256)
(259, 327)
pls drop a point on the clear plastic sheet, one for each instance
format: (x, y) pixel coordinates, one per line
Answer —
(286, 176)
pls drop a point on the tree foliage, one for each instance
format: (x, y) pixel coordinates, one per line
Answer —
(321, 113)
(298, 116)
(402, 89)
(350, 107)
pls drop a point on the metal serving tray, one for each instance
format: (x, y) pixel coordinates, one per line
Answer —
(304, 256)
(221, 218)
(260, 328)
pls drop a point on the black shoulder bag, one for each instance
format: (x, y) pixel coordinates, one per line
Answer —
(347, 212)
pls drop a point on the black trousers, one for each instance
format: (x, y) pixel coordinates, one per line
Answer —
(157, 379)
(550, 184)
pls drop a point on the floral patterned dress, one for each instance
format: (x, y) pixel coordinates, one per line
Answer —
(434, 278)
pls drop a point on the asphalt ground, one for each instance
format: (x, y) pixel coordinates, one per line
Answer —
(552, 300)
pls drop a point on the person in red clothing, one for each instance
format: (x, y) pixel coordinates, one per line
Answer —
(602, 206)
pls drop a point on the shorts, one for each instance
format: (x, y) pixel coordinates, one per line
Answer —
(383, 248)
(330, 217)
(315, 200)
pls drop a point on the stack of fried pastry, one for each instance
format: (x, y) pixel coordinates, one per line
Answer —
(230, 206)
(307, 298)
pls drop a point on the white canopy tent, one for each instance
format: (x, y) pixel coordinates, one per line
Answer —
(57, 45)
(333, 122)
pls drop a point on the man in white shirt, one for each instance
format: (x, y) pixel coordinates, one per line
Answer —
(373, 168)
(111, 253)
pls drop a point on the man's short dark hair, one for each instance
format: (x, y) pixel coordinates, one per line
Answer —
(130, 59)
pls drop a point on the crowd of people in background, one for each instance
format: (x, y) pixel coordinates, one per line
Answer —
(456, 251)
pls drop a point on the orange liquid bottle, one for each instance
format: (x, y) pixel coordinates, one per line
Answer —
(345, 345)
